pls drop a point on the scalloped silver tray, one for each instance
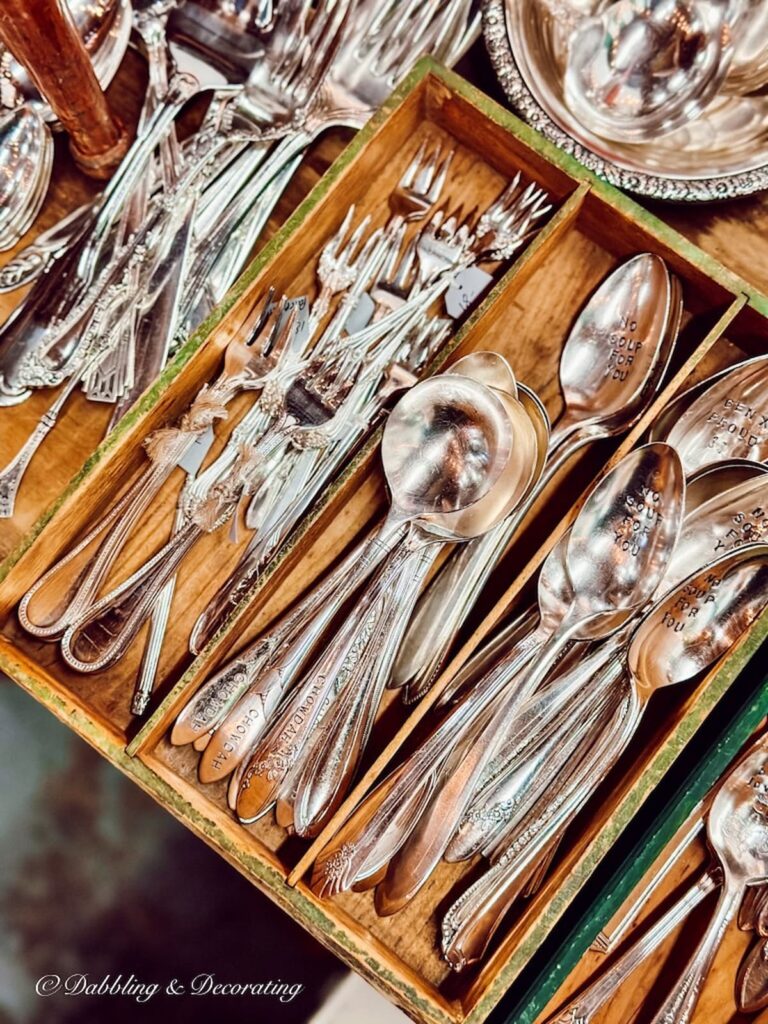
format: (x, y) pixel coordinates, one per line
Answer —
(720, 156)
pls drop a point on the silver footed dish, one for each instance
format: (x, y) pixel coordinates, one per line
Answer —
(722, 154)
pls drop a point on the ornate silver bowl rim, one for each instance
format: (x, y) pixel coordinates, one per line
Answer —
(700, 190)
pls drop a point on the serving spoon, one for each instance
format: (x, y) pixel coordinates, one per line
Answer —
(234, 706)
(686, 631)
(610, 367)
(445, 445)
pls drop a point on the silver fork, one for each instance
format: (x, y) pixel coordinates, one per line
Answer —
(338, 266)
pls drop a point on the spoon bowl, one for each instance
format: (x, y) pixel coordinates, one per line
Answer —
(699, 621)
(727, 420)
(26, 155)
(445, 445)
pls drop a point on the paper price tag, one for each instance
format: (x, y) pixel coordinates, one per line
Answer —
(469, 284)
(194, 456)
(301, 326)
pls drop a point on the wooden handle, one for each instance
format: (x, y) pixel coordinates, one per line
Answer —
(41, 34)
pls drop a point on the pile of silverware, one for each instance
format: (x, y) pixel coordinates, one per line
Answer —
(659, 575)
(122, 281)
(323, 373)
(734, 818)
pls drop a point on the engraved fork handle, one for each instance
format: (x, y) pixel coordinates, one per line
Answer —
(597, 995)
(679, 1006)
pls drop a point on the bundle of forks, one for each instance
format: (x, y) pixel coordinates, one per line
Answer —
(123, 281)
(324, 372)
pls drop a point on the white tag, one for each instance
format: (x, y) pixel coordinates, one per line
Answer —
(469, 284)
(301, 325)
(361, 314)
(194, 456)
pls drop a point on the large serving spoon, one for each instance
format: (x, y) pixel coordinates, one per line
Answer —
(617, 550)
(445, 446)
(240, 699)
(686, 632)
(610, 367)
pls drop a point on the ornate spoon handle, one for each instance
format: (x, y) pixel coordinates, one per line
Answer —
(473, 919)
(341, 737)
(266, 671)
(589, 1002)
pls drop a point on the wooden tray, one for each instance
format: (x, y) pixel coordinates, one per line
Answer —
(526, 317)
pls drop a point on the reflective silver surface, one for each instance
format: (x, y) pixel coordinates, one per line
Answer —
(722, 154)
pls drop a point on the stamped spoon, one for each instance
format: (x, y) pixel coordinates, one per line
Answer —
(685, 633)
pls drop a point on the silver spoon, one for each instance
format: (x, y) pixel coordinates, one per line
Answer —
(445, 445)
(737, 830)
(686, 631)
(617, 550)
(610, 367)
(728, 420)
(26, 156)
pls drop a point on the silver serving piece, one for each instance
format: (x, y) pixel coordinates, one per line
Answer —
(722, 154)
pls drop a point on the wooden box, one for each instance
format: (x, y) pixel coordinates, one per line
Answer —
(526, 317)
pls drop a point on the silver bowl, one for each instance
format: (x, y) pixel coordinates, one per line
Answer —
(721, 155)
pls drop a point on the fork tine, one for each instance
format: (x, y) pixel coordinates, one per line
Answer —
(392, 262)
(406, 181)
(352, 246)
(427, 170)
(255, 316)
(332, 245)
(439, 180)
